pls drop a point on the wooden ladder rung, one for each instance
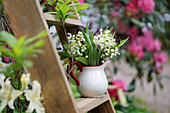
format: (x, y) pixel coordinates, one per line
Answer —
(86, 104)
(51, 20)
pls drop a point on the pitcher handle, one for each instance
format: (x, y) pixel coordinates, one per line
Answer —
(80, 67)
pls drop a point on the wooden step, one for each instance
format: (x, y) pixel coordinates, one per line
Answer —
(86, 104)
(51, 20)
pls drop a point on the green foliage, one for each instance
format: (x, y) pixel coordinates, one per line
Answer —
(92, 48)
(75, 92)
(131, 87)
(21, 48)
(1, 6)
(135, 106)
(123, 42)
(82, 60)
(64, 11)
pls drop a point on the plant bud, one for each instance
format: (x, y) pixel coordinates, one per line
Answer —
(97, 32)
(118, 40)
(91, 25)
(25, 80)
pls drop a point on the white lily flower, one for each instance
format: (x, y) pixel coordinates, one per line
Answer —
(2, 78)
(8, 94)
(2, 65)
(34, 97)
(25, 78)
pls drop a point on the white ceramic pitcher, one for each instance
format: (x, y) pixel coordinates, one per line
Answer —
(93, 81)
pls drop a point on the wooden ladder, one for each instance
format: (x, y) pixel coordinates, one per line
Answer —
(27, 18)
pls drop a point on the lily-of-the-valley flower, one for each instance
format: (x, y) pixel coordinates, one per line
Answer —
(34, 97)
(8, 94)
(25, 78)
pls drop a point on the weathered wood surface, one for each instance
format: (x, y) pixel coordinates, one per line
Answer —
(106, 107)
(26, 18)
(86, 104)
(51, 20)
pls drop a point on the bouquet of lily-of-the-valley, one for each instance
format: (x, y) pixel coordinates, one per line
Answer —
(90, 51)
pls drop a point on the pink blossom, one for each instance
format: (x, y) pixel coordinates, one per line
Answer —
(147, 32)
(114, 13)
(140, 54)
(160, 57)
(158, 67)
(44, 1)
(135, 2)
(121, 26)
(136, 50)
(156, 45)
(81, 1)
(148, 42)
(113, 92)
(147, 6)
(131, 8)
(132, 32)
(120, 84)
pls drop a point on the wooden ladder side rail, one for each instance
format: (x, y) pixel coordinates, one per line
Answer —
(47, 68)
(26, 18)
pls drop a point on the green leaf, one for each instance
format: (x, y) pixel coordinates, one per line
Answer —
(8, 38)
(59, 14)
(51, 12)
(150, 75)
(123, 42)
(42, 34)
(135, 21)
(64, 8)
(39, 43)
(73, 5)
(63, 55)
(115, 69)
(68, 1)
(159, 81)
(83, 6)
(115, 23)
(27, 63)
(2, 8)
(82, 60)
(131, 87)
(31, 39)
(0, 1)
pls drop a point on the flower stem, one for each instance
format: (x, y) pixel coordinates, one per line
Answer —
(65, 32)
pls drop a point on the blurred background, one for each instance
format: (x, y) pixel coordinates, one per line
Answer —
(139, 78)
(142, 70)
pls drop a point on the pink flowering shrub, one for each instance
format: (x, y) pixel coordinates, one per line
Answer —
(113, 92)
(136, 19)
(81, 1)
(147, 6)
(136, 50)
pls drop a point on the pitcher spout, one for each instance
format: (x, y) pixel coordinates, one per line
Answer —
(105, 64)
